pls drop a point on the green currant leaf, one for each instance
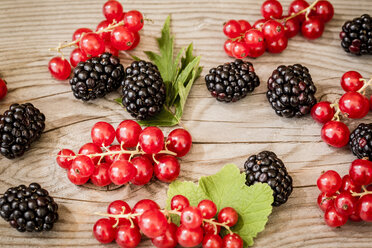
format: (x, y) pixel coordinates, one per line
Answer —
(119, 101)
(163, 119)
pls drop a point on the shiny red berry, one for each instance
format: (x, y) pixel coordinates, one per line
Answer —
(191, 217)
(255, 43)
(113, 10)
(212, 241)
(103, 231)
(167, 169)
(105, 36)
(228, 216)
(324, 10)
(83, 166)
(278, 45)
(211, 229)
(75, 177)
(312, 28)
(151, 140)
(361, 172)
(90, 148)
(142, 206)
(119, 207)
(335, 133)
(271, 9)
(232, 240)
(208, 208)
(354, 104)
(100, 176)
(322, 112)
(334, 218)
(109, 48)
(324, 201)
(128, 132)
(244, 25)
(189, 237)
(153, 223)
(128, 236)
(60, 68)
(350, 81)
(291, 27)
(122, 38)
(168, 239)
(92, 44)
(273, 30)
(345, 203)
(102, 133)
(65, 162)
(133, 20)
(144, 170)
(296, 6)
(3, 89)
(179, 141)
(239, 50)
(110, 158)
(232, 29)
(77, 56)
(259, 24)
(329, 182)
(364, 208)
(348, 185)
(179, 203)
(137, 39)
(121, 172)
(228, 45)
(79, 32)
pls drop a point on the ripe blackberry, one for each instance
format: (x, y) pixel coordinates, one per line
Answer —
(356, 35)
(266, 167)
(291, 91)
(143, 90)
(21, 125)
(29, 208)
(232, 81)
(96, 77)
(360, 141)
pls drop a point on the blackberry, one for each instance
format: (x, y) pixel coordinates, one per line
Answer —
(21, 125)
(29, 208)
(291, 91)
(266, 167)
(356, 35)
(232, 81)
(96, 77)
(143, 90)
(360, 141)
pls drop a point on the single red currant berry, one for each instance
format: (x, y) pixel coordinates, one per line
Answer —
(179, 203)
(189, 237)
(128, 236)
(210, 228)
(208, 208)
(121, 172)
(232, 29)
(137, 39)
(364, 208)
(168, 239)
(291, 27)
(151, 140)
(128, 132)
(244, 26)
(100, 176)
(83, 166)
(329, 182)
(277, 46)
(89, 149)
(361, 172)
(79, 32)
(76, 178)
(350, 81)
(255, 43)
(271, 9)
(259, 24)
(312, 28)
(77, 56)
(239, 50)
(167, 169)
(227, 46)
(63, 160)
(153, 223)
(103, 231)
(110, 49)
(119, 207)
(354, 104)
(228, 216)
(296, 6)
(113, 10)
(133, 20)
(335, 133)
(60, 68)
(348, 185)
(322, 112)
(191, 217)
(122, 38)
(92, 44)
(324, 10)
(334, 218)
(324, 201)
(113, 157)
(345, 203)
(212, 241)
(105, 36)
(3, 89)
(179, 141)
(273, 30)
(144, 170)
(232, 240)
(102, 133)
(142, 206)
(355, 217)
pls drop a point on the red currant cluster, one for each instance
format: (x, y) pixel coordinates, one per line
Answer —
(118, 32)
(349, 197)
(3, 89)
(273, 31)
(141, 154)
(353, 104)
(198, 225)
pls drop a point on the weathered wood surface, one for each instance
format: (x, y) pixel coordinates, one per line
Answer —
(222, 133)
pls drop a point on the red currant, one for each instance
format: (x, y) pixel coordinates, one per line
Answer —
(65, 162)
(110, 49)
(144, 170)
(232, 29)
(60, 68)
(232, 240)
(348, 185)
(179, 141)
(168, 168)
(228, 46)
(334, 218)
(312, 28)
(102, 133)
(3, 89)
(291, 27)
(350, 81)
(151, 140)
(191, 217)
(83, 166)
(211, 229)
(322, 112)
(271, 9)
(277, 46)
(133, 20)
(103, 231)
(128, 132)
(119, 207)
(296, 6)
(105, 36)
(354, 104)
(355, 217)
(329, 182)
(324, 201)
(239, 50)
(142, 206)
(76, 178)
(179, 202)
(244, 26)
(255, 43)
(273, 30)
(128, 236)
(90, 148)
(77, 56)
(361, 172)
(92, 44)
(100, 176)
(168, 239)
(113, 157)
(113, 10)
(137, 39)
(189, 237)
(345, 203)
(335, 133)
(122, 38)
(212, 241)
(79, 32)
(259, 24)
(324, 10)
(153, 223)
(364, 208)
(121, 172)
(208, 208)
(228, 216)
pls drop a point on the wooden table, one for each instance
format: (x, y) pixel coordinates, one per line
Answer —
(222, 133)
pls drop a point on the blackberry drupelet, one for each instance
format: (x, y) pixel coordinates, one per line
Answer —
(29, 208)
(266, 167)
(361, 141)
(291, 91)
(356, 35)
(21, 125)
(143, 90)
(232, 81)
(97, 77)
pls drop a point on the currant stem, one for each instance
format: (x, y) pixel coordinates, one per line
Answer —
(307, 10)
(365, 85)
(365, 192)
(336, 116)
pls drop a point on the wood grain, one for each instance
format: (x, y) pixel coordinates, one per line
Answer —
(222, 133)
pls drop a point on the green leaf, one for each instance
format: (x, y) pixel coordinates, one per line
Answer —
(119, 101)
(135, 57)
(164, 119)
